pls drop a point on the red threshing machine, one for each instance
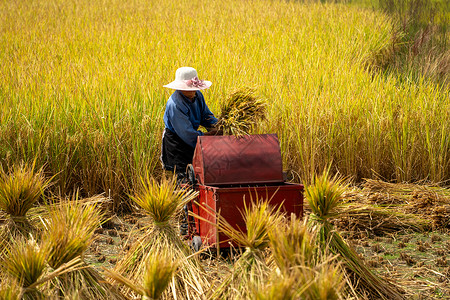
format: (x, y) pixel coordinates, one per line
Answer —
(228, 170)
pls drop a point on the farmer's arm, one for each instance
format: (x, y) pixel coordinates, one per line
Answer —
(208, 119)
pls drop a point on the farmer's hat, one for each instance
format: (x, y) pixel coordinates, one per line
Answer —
(186, 80)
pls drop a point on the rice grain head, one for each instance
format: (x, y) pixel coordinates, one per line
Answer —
(325, 195)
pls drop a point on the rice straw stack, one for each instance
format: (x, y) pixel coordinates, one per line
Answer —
(20, 190)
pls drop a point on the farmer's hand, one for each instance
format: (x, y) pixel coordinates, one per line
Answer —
(214, 131)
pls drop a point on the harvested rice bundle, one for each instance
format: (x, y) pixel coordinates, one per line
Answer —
(159, 270)
(252, 267)
(162, 201)
(19, 192)
(70, 230)
(324, 196)
(25, 263)
(241, 112)
(296, 253)
(25, 268)
(9, 289)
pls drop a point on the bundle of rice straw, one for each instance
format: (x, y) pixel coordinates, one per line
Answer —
(160, 268)
(70, 231)
(241, 112)
(163, 201)
(324, 196)
(24, 268)
(252, 268)
(25, 263)
(297, 254)
(20, 190)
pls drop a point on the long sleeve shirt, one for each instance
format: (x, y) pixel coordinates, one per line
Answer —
(183, 116)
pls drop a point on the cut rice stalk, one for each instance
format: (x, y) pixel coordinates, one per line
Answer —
(296, 252)
(160, 268)
(70, 230)
(25, 263)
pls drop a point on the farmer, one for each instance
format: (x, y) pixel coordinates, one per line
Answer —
(185, 111)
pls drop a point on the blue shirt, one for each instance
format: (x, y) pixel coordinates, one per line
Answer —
(183, 117)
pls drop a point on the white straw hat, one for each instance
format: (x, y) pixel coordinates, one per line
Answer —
(186, 80)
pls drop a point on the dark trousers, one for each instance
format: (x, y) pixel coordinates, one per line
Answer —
(175, 153)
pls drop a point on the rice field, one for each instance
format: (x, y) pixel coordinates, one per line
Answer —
(81, 87)
(82, 100)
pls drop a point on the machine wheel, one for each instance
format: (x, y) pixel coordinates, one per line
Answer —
(191, 175)
(196, 243)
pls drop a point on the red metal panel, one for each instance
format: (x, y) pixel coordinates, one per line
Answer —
(226, 160)
(228, 202)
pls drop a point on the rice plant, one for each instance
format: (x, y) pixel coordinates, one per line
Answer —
(163, 201)
(20, 189)
(324, 196)
(240, 112)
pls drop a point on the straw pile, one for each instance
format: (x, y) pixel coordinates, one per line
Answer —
(383, 208)
(241, 112)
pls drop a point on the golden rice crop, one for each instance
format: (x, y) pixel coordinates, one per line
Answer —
(81, 87)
